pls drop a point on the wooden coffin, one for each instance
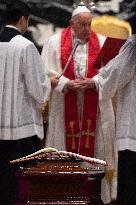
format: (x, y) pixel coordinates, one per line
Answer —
(58, 179)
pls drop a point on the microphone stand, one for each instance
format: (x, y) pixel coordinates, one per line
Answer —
(78, 41)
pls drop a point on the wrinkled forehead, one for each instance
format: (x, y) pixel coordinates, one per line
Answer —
(83, 17)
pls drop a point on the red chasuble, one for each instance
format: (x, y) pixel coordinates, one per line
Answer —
(80, 141)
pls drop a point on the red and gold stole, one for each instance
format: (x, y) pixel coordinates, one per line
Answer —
(87, 138)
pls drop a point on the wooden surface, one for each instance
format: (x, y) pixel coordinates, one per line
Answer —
(62, 182)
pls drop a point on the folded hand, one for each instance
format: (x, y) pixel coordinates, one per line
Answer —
(74, 85)
(87, 83)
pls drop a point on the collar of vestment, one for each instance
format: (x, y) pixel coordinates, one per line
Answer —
(13, 27)
(8, 33)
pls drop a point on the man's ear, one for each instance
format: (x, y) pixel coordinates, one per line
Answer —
(21, 20)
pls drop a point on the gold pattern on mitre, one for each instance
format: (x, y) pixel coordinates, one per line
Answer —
(111, 26)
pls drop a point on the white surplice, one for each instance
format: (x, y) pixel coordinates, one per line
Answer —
(24, 87)
(105, 148)
(118, 77)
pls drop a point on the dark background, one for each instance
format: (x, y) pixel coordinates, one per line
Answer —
(58, 12)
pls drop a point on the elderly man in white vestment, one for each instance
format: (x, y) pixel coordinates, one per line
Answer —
(73, 113)
(24, 87)
(67, 95)
(119, 76)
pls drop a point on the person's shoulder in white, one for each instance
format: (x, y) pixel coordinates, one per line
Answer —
(21, 41)
(132, 39)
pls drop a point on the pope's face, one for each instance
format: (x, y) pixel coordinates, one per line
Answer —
(81, 25)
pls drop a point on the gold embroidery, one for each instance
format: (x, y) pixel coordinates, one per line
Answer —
(88, 133)
(72, 135)
(110, 174)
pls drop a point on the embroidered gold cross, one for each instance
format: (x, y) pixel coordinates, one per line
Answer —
(88, 133)
(72, 135)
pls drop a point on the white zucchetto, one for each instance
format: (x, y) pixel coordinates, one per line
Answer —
(80, 9)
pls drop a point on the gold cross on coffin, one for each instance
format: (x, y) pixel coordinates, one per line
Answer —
(72, 135)
(88, 133)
